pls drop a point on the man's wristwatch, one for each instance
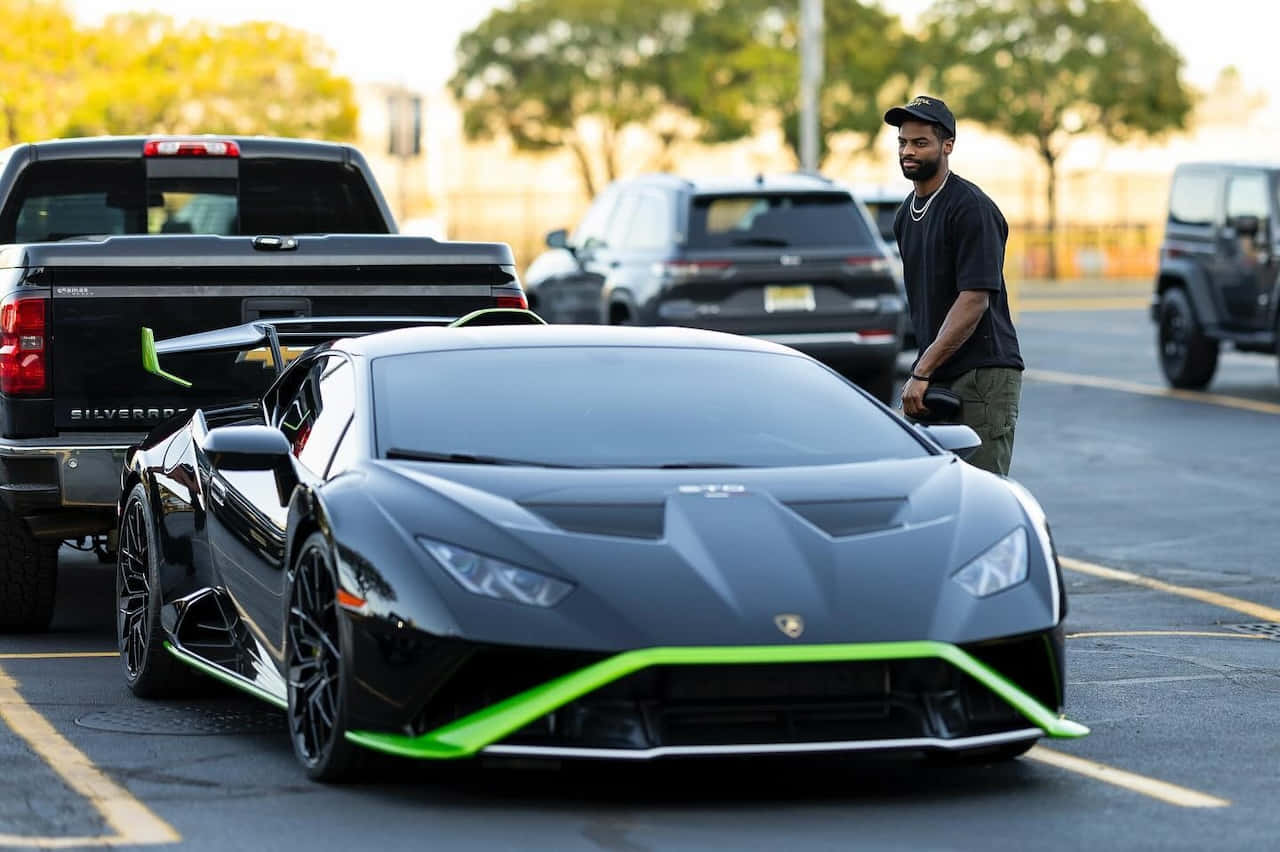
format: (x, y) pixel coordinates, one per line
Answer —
(920, 378)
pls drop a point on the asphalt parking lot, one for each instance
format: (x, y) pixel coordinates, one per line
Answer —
(1163, 506)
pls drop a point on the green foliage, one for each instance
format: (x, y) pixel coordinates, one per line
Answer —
(143, 73)
(1044, 70)
(154, 76)
(743, 67)
(40, 63)
(537, 70)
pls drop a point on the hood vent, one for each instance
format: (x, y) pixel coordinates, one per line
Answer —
(623, 520)
(851, 517)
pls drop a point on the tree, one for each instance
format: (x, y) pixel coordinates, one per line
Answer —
(154, 76)
(548, 72)
(1044, 71)
(41, 65)
(742, 67)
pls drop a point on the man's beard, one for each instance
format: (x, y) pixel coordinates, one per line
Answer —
(924, 170)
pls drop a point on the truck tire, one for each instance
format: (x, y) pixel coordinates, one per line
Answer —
(28, 576)
(1187, 357)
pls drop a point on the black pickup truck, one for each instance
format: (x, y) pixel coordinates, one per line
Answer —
(84, 270)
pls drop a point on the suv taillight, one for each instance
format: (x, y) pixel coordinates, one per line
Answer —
(23, 346)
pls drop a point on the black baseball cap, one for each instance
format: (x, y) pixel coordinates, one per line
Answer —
(923, 108)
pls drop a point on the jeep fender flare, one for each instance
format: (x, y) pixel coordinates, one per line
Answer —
(1188, 276)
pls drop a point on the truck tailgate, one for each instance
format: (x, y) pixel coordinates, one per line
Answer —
(96, 316)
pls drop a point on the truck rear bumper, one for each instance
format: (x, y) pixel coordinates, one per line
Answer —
(67, 485)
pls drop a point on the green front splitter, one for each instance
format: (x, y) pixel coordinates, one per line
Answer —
(468, 735)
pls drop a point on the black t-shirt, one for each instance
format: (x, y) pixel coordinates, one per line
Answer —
(958, 244)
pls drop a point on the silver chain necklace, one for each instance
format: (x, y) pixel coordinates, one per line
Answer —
(917, 215)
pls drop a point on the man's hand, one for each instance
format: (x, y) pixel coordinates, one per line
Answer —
(913, 398)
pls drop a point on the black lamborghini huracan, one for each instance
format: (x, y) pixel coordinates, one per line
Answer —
(578, 541)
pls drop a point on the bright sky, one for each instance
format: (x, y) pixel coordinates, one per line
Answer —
(413, 42)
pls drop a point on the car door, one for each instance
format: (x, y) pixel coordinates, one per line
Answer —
(641, 234)
(247, 535)
(1246, 250)
(570, 292)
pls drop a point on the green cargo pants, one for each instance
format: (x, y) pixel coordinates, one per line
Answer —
(990, 408)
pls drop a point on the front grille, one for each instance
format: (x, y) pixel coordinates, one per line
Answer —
(775, 703)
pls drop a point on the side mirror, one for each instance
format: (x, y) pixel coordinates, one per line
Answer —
(253, 448)
(1245, 226)
(961, 440)
(559, 239)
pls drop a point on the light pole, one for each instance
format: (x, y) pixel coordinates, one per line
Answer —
(810, 81)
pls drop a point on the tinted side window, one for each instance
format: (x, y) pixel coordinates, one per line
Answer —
(591, 229)
(1193, 200)
(620, 223)
(651, 223)
(316, 416)
(1247, 196)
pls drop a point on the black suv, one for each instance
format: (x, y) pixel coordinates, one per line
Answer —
(794, 259)
(1218, 268)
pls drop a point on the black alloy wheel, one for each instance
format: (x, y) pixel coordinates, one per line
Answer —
(317, 674)
(133, 590)
(1187, 357)
(149, 670)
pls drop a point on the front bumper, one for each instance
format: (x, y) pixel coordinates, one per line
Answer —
(504, 727)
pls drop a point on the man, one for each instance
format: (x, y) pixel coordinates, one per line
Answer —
(952, 239)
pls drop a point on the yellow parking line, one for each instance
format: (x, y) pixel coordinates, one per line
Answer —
(132, 821)
(59, 655)
(1083, 303)
(1215, 634)
(1082, 380)
(1171, 794)
(1249, 608)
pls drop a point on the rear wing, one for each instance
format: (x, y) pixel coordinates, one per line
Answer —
(311, 331)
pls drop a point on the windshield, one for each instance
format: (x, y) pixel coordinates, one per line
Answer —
(627, 407)
(796, 220)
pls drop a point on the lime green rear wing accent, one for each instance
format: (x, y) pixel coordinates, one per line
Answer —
(470, 734)
(498, 316)
(151, 361)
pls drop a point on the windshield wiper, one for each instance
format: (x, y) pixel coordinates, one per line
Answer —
(466, 458)
(761, 241)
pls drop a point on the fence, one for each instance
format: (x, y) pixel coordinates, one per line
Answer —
(522, 218)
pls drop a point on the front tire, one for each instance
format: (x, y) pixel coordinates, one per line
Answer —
(1188, 358)
(149, 670)
(28, 576)
(317, 668)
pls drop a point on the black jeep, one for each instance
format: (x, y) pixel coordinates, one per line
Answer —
(1218, 268)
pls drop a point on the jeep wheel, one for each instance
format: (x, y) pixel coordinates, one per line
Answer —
(1187, 357)
(28, 576)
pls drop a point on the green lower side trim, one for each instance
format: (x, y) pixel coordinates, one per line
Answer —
(468, 735)
(226, 677)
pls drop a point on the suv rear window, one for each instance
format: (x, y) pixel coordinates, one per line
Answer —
(62, 199)
(796, 220)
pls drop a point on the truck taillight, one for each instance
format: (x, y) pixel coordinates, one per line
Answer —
(23, 354)
(190, 148)
(513, 302)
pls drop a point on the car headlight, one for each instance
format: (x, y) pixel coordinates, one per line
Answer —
(1002, 565)
(493, 578)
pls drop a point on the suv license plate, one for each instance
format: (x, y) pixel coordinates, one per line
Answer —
(790, 297)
